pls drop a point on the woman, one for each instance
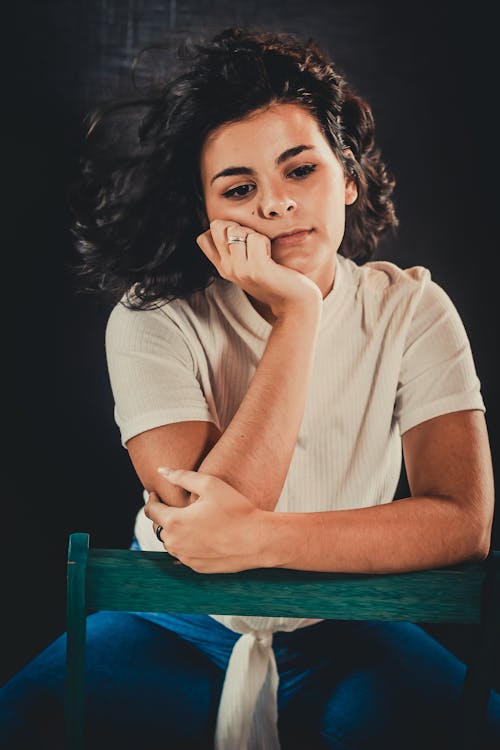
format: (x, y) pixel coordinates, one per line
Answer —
(265, 385)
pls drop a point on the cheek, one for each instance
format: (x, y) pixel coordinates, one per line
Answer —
(220, 208)
(217, 208)
(332, 203)
(334, 216)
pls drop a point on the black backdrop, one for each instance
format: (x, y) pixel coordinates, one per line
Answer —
(428, 72)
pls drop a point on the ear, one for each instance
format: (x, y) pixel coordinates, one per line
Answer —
(351, 189)
(351, 192)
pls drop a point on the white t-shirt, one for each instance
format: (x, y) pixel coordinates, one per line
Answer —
(392, 352)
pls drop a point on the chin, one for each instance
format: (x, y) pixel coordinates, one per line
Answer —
(295, 262)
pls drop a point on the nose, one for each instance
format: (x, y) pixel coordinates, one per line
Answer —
(274, 205)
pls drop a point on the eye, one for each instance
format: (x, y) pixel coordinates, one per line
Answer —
(303, 171)
(239, 192)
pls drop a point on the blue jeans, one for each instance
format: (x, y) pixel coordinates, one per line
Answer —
(157, 678)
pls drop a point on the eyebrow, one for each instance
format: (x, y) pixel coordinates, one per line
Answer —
(230, 171)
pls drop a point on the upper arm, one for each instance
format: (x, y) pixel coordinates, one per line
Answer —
(449, 456)
(180, 445)
(154, 374)
(160, 405)
(437, 374)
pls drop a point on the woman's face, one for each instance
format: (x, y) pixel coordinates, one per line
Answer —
(275, 172)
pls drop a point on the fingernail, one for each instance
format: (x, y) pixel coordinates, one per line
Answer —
(164, 471)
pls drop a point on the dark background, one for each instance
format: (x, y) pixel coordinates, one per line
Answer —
(429, 73)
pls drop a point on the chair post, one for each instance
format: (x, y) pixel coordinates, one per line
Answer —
(479, 675)
(76, 611)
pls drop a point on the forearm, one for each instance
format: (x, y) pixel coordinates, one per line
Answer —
(411, 534)
(254, 452)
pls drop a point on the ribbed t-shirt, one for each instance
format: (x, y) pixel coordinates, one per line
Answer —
(392, 352)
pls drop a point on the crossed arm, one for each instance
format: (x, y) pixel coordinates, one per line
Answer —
(446, 520)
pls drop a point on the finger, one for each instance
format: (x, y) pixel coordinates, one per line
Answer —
(206, 244)
(157, 511)
(193, 481)
(238, 250)
(220, 229)
(155, 498)
(256, 251)
(258, 247)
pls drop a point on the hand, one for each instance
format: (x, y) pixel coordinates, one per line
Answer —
(217, 533)
(252, 268)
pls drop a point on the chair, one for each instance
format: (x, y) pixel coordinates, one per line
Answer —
(118, 579)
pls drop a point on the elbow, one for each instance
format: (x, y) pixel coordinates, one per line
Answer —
(485, 532)
(476, 529)
(466, 546)
(474, 550)
(480, 542)
(483, 546)
(480, 553)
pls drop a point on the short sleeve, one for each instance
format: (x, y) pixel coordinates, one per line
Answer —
(437, 374)
(152, 372)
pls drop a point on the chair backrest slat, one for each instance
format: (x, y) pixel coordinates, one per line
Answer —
(154, 581)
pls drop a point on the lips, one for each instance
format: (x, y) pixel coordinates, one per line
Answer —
(292, 237)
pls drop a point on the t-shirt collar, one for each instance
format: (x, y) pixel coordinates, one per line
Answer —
(242, 310)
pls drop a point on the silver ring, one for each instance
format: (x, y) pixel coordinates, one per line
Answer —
(158, 532)
(236, 238)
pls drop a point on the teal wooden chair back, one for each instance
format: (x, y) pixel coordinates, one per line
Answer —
(117, 579)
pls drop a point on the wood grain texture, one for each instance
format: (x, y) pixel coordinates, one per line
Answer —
(154, 581)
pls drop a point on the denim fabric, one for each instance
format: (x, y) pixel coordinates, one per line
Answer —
(156, 678)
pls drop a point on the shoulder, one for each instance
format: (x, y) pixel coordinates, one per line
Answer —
(403, 301)
(384, 277)
(169, 323)
(412, 288)
(129, 326)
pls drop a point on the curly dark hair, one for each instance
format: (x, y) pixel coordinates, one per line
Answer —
(138, 202)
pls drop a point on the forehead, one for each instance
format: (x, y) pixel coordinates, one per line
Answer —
(266, 132)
